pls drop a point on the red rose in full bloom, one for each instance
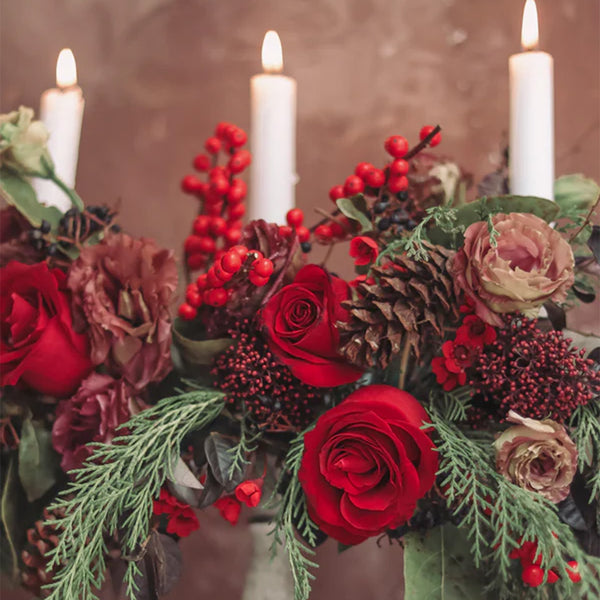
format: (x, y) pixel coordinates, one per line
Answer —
(364, 250)
(366, 463)
(181, 516)
(38, 345)
(299, 321)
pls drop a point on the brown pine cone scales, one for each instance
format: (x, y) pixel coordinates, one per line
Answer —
(407, 304)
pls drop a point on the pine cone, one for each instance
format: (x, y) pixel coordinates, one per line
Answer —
(40, 540)
(409, 303)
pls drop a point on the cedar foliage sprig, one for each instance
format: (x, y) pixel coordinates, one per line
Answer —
(499, 515)
(585, 430)
(292, 515)
(245, 447)
(114, 490)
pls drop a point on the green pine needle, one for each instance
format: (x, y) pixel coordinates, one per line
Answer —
(114, 490)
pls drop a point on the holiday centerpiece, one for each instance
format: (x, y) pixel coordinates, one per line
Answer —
(434, 400)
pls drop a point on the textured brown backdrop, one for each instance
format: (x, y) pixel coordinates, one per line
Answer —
(158, 74)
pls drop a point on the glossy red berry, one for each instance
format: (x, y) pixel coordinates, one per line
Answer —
(236, 211)
(285, 231)
(190, 184)
(532, 575)
(201, 225)
(237, 191)
(257, 280)
(294, 217)
(337, 191)
(398, 183)
(552, 576)
(187, 312)
(337, 231)
(239, 161)
(242, 251)
(212, 145)
(323, 233)
(193, 244)
(425, 131)
(194, 298)
(219, 186)
(573, 571)
(232, 236)
(362, 169)
(218, 173)
(213, 280)
(256, 255)
(201, 162)
(218, 226)
(231, 262)
(396, 146)
(216, 297)
(214, 210)
(201, 282)
(353, 185)
(196, 261)
(222, 129)
(374, 178)
(263, 267)
(236, 137)
(206, 245)
(221, 273)
(303, 233)
(399, 167)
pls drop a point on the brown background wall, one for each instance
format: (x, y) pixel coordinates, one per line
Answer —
(158, 74)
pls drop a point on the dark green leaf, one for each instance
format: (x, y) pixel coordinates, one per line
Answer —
(594, 242)
(39, 464)
(11, 508)
(19, 193)
(355, 208)
(556, 315)
(220, 460)
(438, 566)
(211, 492)
(197, 352)
(583, 294)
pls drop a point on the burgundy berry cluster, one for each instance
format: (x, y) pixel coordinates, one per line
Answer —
(218, 225)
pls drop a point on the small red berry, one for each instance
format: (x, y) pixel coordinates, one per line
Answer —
(201, 162)
(192, 244)
(237, 191)
(323, 233)
(552, 576)
(236, 211)
(217, 297)
(256, 255)
(362, 169)
(206, 245)
(201, 225)
(187, 312)
(396, 146)
(190, 184)
(196, 261)
(231, 262)
(214, 210)
(232, 236)
(337, 231)
(219, 186)
(399, 167)
(294, 217)
(201, 282)
(218, 226)
(573, 571)
(194, 298)
(263, 267)
(218, 173)
(222, 130)
(425, 131)
(221, 273)
(337, 191)
(212, 145)
(285, 231)
(236, 137)
(532, 575)
(353, 185)
(257, 280)
(396, 184)
(374, 178)
(242, 251)
(303, 233)
(239, 161)
(213, 280)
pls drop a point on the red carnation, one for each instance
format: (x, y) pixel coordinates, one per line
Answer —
(447, 379)
(230, 508)
(366, 463)
(249, 492)
(299, 322)
(458, 356)
(363, 250)
(182, 519)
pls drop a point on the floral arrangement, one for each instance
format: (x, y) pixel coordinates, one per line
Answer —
(436, 399)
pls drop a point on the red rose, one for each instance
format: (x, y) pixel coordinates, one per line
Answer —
(300, 325)
(363, 250)
(38, 345)
(366, 463)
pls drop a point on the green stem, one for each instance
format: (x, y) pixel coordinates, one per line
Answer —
(73, 195)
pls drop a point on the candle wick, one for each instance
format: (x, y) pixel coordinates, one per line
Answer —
(67, 88)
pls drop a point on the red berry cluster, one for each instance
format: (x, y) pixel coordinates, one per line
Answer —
(215, 287)
(218, 225)
(532, 573)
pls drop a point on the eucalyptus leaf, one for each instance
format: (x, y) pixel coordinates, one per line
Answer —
(438, 566)
(39, 464)
(17, 191)
(220, 459)
(355, 208)
(197, 352)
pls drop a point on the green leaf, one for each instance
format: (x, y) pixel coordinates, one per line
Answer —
(470, 213)
(438, 566)
(197, 352)
(11, 508)
(355, 208)
(18, 192)
(38, 461)
(220, 459)
(575, 192)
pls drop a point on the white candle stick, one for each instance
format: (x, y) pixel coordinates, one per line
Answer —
(531, 157)
(61, 110)
(273, 137)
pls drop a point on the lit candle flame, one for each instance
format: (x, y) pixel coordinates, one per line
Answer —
(66, 70)
(272, 54)
(529, 31)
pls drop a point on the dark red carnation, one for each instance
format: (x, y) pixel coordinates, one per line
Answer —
(299, 322)
(366, 463)
(364, 250)
(182, 520)
(447, 379)
(450, 370)
(38, 346)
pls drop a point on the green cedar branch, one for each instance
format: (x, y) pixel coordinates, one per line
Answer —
(114, 491)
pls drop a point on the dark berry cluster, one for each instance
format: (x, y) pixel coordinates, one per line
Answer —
(535, 373)
(253, 380)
